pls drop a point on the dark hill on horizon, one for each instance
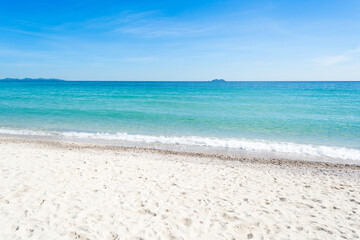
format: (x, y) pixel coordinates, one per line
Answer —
(218, 80)
(31, 80)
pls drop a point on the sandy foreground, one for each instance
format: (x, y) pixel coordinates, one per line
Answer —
(71, 191)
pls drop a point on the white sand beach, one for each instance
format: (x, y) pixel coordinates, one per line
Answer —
(76, 191)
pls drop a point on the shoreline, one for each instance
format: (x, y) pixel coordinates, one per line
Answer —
(224, 157)
(239, 147)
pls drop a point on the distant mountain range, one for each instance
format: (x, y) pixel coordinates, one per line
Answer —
(31, 80)
(60, 80)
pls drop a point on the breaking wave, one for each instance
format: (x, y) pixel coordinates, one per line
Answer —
(231, 143)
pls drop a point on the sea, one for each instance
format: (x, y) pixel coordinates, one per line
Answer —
(315, 121)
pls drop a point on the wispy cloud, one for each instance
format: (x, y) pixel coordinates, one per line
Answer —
(148, 24)
(35, 33)
(330, 60)
(159, 30)
(354, 50)
(348, 55)
(140, 59)
(108, 22)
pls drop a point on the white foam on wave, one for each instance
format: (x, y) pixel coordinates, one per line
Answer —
(26, 132)
(240, 144)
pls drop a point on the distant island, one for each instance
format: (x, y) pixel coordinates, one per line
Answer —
(31, 80)
(218, 80)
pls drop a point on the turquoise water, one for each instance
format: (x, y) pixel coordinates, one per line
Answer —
(245, 115)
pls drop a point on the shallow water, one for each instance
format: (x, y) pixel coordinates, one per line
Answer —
(310, 118)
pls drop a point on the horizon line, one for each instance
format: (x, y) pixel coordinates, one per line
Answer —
(85, 80)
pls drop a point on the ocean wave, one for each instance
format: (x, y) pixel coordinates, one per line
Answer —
(240, 144)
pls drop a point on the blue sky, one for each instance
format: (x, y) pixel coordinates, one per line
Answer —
(180, 40)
